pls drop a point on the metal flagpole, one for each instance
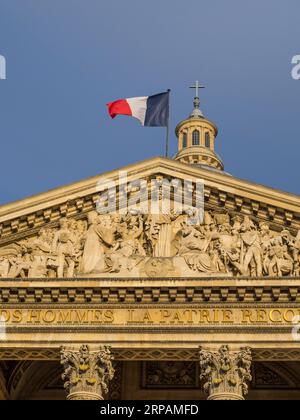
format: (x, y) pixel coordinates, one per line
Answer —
(168, 128)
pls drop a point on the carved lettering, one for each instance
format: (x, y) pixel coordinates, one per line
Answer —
(152, 316)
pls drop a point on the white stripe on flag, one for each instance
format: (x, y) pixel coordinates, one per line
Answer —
(138, 107)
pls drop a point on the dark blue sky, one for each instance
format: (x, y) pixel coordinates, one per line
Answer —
(67, 58)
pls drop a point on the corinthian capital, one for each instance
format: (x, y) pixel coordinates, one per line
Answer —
(226, 373)
(87, 373)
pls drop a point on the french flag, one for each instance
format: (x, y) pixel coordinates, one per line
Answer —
(151, 111)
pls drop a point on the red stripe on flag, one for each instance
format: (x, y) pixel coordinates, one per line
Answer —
(120, 107)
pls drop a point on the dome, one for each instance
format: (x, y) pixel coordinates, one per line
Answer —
(196, 139)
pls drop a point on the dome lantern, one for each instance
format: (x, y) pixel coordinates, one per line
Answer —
(196, 138)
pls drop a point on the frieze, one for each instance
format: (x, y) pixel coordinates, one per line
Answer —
(137, 245)
(151, 317)
(151, 354)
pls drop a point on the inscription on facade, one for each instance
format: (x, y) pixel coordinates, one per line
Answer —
(150, 317)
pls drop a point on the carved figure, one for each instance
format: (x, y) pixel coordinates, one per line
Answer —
(99, 238)
(154, 245)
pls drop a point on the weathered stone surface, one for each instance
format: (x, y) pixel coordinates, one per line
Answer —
(226, 374)
(87, 373)
(147, 246)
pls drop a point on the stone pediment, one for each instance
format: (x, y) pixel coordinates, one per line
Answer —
(247, 229)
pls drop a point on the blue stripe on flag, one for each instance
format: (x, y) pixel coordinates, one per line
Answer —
(157, 114)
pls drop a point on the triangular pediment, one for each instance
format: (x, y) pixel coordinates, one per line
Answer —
(233, 207)
(221, 190)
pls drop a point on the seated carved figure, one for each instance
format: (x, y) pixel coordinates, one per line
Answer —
(164, 245)
(13, 262)
(40, 250)
(281, 262)
(193, 247)
(19, 266)
(128, 250)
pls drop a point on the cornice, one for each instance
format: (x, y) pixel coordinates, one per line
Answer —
(150, 291)
(222, 191)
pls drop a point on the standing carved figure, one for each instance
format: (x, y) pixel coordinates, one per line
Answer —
(63, 247)
(4, 267)
(253, 256)
(296, 254)
(99, 238)
(159, 230)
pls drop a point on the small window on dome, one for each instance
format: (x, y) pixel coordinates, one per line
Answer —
(184, 140)
(196, 138)
(207, 140)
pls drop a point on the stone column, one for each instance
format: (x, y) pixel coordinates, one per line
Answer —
(226, 373)
(87, 373)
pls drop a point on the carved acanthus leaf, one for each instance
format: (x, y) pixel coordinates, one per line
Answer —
(86, 371)
(225, 372)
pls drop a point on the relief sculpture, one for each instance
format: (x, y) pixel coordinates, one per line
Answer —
(153, 245)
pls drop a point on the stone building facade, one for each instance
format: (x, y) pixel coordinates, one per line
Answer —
(198, 301)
